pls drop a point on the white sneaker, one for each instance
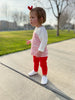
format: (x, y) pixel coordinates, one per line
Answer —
(32, 73)
(44, 80)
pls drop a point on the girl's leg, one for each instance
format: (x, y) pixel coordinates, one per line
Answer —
(36, 63)
(43, 64)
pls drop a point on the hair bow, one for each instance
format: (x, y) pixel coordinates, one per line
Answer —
(30, 7)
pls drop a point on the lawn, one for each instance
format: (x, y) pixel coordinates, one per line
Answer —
(13, 41)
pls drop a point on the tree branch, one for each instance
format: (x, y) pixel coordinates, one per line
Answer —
(61, 5)
(65, 7)
(52, 8)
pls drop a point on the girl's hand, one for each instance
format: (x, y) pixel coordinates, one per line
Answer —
(39, 53)
(28, 42)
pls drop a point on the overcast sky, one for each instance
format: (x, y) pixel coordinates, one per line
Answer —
(21, 5)
(16, 4)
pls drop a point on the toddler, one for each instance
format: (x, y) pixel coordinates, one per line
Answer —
(39, 42)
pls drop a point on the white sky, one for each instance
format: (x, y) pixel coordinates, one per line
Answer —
(21, 5)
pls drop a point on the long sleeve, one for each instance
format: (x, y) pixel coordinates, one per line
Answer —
(43, 38)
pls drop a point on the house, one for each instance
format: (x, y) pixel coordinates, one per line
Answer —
(68, 26)
(5, 25)
(49, 27)
(13, 26)
(28, 27)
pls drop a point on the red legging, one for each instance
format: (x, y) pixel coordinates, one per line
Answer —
(43, 64)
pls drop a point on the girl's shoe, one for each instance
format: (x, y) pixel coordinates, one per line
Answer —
(32, 73)
(44, 80)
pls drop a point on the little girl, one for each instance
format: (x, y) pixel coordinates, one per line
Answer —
(39, 42)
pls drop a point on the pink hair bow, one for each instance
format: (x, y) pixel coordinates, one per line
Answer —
(30, 7)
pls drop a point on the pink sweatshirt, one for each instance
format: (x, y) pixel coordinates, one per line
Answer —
(39, 41)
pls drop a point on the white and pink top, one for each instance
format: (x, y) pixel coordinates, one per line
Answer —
(39, 41)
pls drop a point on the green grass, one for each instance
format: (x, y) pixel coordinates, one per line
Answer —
(13, 41)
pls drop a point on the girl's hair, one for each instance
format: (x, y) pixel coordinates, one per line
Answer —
(41, 14)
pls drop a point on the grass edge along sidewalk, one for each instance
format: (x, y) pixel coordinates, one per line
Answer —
(14, 41)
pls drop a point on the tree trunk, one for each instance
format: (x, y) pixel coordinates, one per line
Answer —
(58, 26)
(74, 28)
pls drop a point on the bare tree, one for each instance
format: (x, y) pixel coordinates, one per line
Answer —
(74, 22)
(74, 17)
(62, 20)
(22, 17)
(15, 16)
(19, 17)
(58, 7)
(5, 10)
(65, 18)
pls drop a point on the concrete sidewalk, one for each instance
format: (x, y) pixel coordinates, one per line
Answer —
(15, 84)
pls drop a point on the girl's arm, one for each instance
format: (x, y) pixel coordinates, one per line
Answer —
(43, 38)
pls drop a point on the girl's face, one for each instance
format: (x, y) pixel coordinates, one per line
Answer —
(34, 20)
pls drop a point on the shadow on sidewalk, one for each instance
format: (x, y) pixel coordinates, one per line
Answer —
(50, 86)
